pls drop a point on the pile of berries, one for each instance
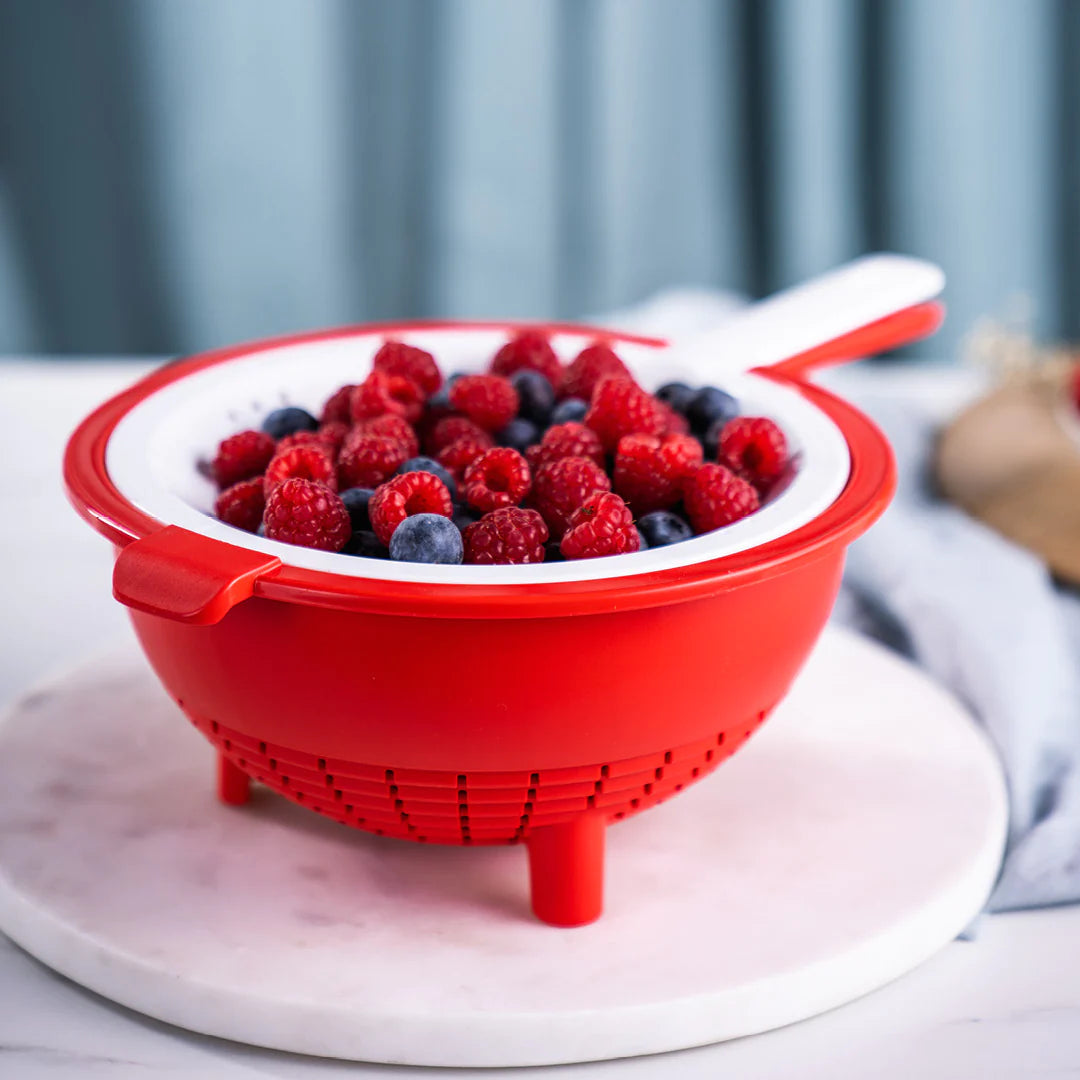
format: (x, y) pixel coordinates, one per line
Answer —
(535, 461)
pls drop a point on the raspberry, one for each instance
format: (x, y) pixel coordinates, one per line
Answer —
(451, 428)
(242, 504)
(460, 454)
(715, 496)
(490, 401)
(406, 495)
(509, 535)
(397, 358)
(380, 394)
(306, 513)
(337, 405)
(754, 447)
(592, 364)
(620, 407)
(367, 460)
(499, 478)
(566, 440)
(603, 525)
(392, 427)
(302, 438)
(304, 462)
(528, 351)
(333, 434)
(649, 471)
(674, 422)
(242, 456)
(562, 486)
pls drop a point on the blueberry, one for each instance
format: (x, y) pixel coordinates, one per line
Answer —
(552, 552)
(440, 400)
(709, 405)
(519, 434)
(289, 421)
(426, 464)
(356, 502)
(261, 530)
(711, 439)
(457, 375)
(677, 394)
(365, 543)
(464, 516)
(572, 409)
(662, 527)
(536, 394)
(643, 544)
(427, 538)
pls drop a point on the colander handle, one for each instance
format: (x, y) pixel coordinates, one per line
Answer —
(180, 575)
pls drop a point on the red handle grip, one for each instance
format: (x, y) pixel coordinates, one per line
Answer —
(187, 577)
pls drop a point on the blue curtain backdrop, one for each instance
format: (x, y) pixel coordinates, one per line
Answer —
(176, 174)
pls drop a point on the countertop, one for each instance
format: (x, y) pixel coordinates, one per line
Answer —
(1006, 1005)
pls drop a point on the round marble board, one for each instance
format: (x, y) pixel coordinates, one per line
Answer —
(858, 832)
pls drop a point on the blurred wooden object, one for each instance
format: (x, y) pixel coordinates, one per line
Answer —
(1013, 458)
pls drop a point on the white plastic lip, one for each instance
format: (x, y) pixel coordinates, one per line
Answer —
(153, 452)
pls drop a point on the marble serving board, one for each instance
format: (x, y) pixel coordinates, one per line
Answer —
(858, 832)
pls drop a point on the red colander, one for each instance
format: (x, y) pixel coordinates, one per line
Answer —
(493, 705)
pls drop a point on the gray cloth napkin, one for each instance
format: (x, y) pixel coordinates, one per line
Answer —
(978, 613)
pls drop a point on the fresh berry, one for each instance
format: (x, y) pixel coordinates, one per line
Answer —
(593, 363)
(242, 456)
(380, 394)
(306, 513)
(560, 487)
(427, 538)
(536, 397)
(356, 501)
(510, 535)
(566, 440)
(304, 462)
(287, 421)
(519, 434)
(438, 405)
(404, 496)
(570, 410)
(452, 428)
(676, 394)
(709, 405)
(603, 525)
(333, 433)
(365, 543)
(642, 543)
(553, 553)
(620, 407)
(674, 422)
(393, 427)
(460, 454)
(490, 401)
(528, 351)
(715, 496)
(426, 464)
(367, 460)
(397, 358)
(662, 527)
(301, 438)
(649, 471)
(500, 478)
(337, 405)
(242, 504)
(754, 447)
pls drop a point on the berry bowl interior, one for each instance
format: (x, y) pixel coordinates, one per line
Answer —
(459, 704)
(154, 453)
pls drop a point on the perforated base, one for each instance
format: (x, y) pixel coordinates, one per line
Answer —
(857, 833)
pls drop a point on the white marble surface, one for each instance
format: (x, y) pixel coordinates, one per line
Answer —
(1004, 1007)
(855, 835)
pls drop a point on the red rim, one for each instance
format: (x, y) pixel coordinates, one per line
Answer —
(868, 491)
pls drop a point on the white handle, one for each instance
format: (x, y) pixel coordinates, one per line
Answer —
(814, 313)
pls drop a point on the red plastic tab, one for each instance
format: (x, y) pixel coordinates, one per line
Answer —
(183, 576)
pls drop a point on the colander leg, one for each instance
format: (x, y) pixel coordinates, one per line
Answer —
(566, 871)
(233, 783)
